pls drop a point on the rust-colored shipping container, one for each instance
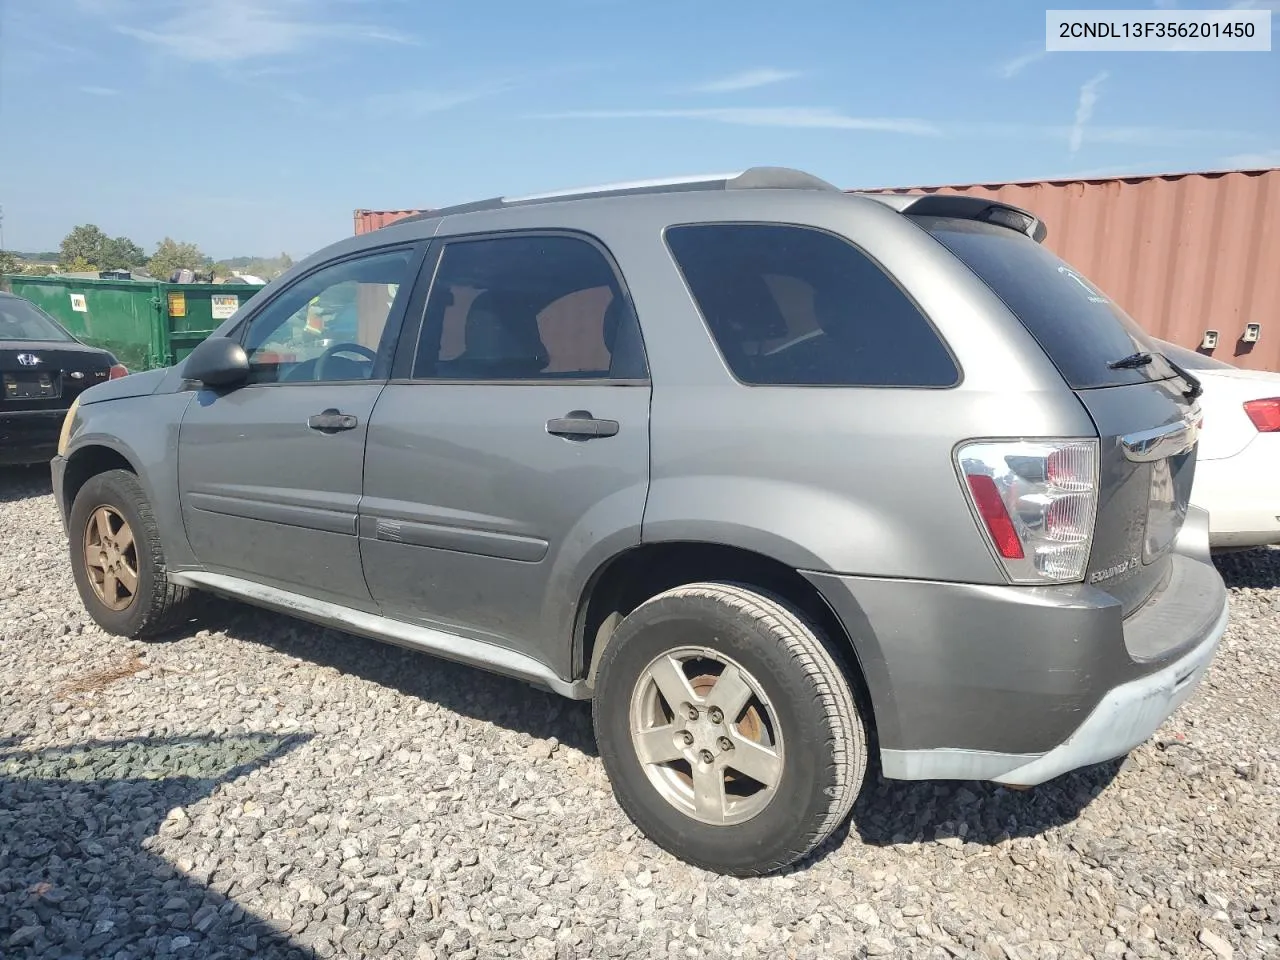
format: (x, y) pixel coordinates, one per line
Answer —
(1181, 253)
(369, 220)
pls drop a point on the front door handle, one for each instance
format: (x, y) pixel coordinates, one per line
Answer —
(581, 425)
(331, 421)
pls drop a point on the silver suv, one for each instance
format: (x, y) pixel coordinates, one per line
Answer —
(783, 479)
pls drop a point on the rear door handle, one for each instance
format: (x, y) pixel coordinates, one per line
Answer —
(331, 421)
(581, 425)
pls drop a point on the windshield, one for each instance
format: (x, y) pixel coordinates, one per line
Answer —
(1080, 328)
(22, 320)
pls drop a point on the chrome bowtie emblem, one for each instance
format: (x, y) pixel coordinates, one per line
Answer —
(28, 359)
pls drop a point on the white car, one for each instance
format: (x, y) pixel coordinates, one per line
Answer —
(1238, 462)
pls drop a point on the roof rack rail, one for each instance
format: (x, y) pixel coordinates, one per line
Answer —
(753, 178)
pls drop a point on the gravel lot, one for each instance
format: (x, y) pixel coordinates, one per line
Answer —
(257, 787)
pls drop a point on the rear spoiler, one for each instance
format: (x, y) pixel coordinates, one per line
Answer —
(964, 207)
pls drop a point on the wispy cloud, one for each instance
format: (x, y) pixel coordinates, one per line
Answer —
(100, 91)
(747, 80)
(823, 118)
(794, 117)
(1011, 68)
(225, 31)
(1084, 109)
(421, 102)
(1253, 161)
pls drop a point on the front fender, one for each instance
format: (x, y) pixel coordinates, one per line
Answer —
(143, 430)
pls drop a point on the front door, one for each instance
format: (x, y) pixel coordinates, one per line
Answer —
(270, 471)
(515, 453)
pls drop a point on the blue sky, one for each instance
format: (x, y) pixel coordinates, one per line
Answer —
(255, 126)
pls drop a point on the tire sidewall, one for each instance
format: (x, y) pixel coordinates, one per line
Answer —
(109, 490)
(802, 798)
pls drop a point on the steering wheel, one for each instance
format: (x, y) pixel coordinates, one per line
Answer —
(356, 348)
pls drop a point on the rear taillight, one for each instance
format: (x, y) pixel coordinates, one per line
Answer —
(118, 370)
(1265, 414)
(1036, 500)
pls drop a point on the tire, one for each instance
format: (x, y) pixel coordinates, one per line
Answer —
(156, 605)
(813, 736)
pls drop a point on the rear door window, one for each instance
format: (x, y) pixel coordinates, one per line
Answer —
(1078, 326)
(793, 305)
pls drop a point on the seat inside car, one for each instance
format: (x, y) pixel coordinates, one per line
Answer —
(500, 341)
(622, 340)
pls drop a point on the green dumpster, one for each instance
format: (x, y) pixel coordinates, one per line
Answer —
(145, 323)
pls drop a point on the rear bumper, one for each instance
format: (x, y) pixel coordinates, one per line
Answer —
(1126, 717)
(1021, 684)
(1241, 494)
(29, 436)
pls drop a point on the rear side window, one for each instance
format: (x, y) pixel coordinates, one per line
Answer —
(791, 305)
(1076, 324)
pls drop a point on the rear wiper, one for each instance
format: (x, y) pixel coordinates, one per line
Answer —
(1131, 361)
(1194, 387)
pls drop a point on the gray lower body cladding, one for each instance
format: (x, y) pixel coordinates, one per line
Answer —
(977, 681)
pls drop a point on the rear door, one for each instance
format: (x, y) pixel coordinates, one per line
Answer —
(513, 452)
(1145, 413)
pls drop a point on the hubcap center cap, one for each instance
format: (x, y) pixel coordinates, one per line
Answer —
(706, 734)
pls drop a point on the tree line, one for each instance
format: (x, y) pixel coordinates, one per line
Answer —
(88, 249)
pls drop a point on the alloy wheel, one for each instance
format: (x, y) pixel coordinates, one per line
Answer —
(706, 735)
(111, 558)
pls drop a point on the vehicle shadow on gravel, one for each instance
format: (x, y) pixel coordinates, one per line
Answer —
(24, 483)
(76, 877)
(474, 693)
(1257, 569)
(958, 813)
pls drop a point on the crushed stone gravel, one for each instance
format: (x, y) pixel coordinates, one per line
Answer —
(255, 786)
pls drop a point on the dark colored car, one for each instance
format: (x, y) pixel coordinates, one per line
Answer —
(44, 368)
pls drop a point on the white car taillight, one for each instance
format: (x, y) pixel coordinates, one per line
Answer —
(1265, 414)
(1036, 500)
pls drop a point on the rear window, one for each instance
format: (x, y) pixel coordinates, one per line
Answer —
(21, 320)
(791, 305)
(1191, 359)
(1078, 326)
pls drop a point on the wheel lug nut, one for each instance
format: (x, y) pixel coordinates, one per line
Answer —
(693, 713)
(724, 743)
(688, 738)
(716, 715)
(706, 756)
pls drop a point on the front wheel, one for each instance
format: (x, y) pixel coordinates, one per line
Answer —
(117, 560)
(728, 730)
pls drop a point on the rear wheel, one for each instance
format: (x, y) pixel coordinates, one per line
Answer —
(728, 729)
(117, 559)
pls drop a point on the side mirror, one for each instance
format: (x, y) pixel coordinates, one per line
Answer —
(217, 362)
